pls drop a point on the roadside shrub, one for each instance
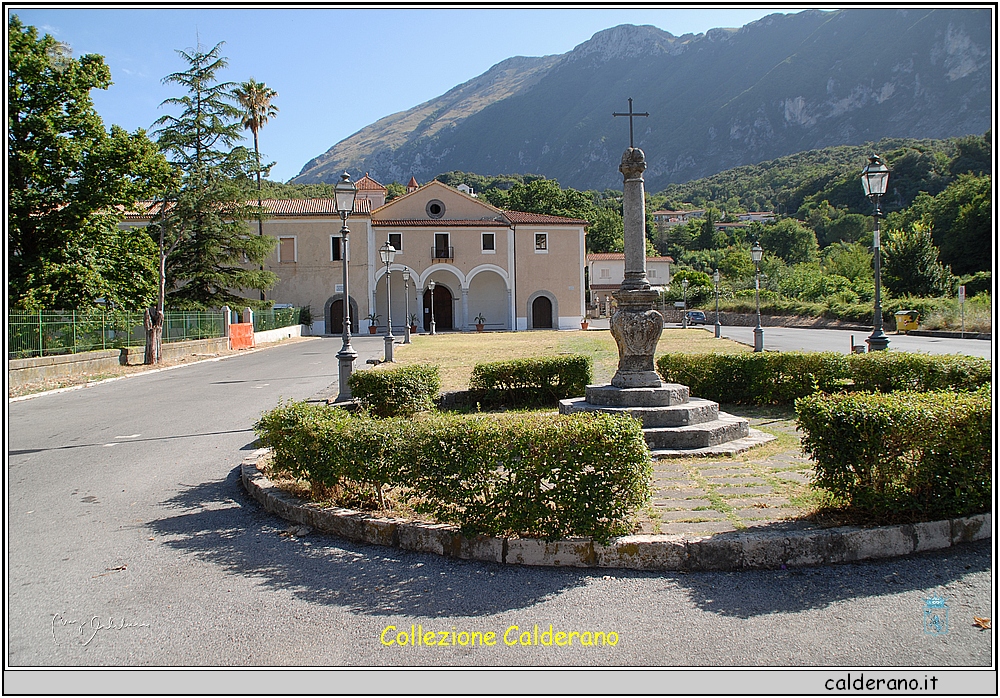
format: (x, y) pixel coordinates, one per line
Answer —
(530, 382)
(750, 378)
(396, 392)
(515, 474)
(531, 474)
(333, 450)
(886, 371)
(905, 453)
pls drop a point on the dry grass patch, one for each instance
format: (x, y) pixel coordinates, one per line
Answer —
(457, 353)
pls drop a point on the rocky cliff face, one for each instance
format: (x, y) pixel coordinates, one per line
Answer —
(729, 97)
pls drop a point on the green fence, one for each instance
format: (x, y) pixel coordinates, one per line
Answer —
(274, 318)
(71, 331)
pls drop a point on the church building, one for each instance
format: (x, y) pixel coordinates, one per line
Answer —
(518, 271)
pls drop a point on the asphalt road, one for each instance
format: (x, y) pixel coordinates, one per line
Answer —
(131, 543)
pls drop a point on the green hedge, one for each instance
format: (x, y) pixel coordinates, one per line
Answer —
(902, 453)
(755, 378)
(885, 371)
(517, 474)
(396, 392)
(779, 378)
(530, 382)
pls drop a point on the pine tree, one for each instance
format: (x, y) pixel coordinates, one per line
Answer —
(206, 251)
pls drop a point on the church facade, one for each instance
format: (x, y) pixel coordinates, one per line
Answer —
(518, 271)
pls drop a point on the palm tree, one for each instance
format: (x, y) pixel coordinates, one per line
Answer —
(255, 98)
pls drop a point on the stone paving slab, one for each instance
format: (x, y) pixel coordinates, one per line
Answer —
(702, 514)
(749, 480)
(681, 503)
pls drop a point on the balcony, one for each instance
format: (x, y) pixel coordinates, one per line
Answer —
(442, 254)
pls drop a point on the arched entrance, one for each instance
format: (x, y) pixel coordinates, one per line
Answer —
(335, 318)
(541, 314)
(443, 308)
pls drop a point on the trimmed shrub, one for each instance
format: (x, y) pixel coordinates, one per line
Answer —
(886, 371)
(532, 475)
(516, 474)
(530, 382)
(905, 453)
(396, 392)
(755, 378)
(330, 448)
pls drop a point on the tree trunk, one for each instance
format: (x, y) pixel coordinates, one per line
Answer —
(153, 322)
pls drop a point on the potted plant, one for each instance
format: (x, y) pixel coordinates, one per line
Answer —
(480, 321)
(413, 322)
(584, 323)
(372, 319)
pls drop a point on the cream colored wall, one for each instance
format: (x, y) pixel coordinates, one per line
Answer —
(467, 243)
(559, 271)
(313, 278)
(458, 206)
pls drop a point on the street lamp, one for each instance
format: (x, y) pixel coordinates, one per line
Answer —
(430, 287)
(344, 193)
(387, 252)
(684, 286)
(874, 179)
(718, 325)
(406, 294)
(757, 253)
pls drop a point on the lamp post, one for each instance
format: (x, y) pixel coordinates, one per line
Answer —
(430, 287)
(344, 193)
(874, 179)
(684, 287)
(387, 252)
(757, 253)
(406, 295)
(718, 325)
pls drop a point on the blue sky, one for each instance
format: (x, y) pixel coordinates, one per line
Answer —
(395, 58)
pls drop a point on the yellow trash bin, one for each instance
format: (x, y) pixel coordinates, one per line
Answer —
(906, 320)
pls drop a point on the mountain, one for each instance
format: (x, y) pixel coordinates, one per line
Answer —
(725, 98)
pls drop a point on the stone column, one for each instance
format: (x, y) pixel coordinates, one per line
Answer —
(465, 310)
(635, 325)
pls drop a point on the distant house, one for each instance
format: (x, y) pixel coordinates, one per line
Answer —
(520, 270)
(606, 271)
(664, 219)
(759, 216)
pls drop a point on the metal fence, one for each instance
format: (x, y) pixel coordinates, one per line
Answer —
(274, 318)
(71, 331)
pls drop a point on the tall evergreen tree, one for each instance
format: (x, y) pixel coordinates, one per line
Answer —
(69, 182)
(206, 254)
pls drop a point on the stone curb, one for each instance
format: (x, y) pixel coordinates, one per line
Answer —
(723, 551)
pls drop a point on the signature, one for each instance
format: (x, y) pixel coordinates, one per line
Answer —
(89, 629)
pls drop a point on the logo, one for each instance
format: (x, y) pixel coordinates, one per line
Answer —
(935, 616)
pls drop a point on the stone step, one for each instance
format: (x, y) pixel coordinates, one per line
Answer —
(666, 395)
(693, 411)
(725, 428)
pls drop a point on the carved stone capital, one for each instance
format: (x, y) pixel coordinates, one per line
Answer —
(636, 327)
(633, 163)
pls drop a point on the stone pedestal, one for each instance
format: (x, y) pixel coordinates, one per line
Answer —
(673, 422)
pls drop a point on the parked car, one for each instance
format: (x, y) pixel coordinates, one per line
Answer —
(696, 317)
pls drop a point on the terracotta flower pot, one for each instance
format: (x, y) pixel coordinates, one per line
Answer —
(372, 329)
(479, 327)
(584, 325)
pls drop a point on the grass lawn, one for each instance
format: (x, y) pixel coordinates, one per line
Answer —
(456, 353)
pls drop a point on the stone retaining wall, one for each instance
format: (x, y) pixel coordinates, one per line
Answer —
(22, 371)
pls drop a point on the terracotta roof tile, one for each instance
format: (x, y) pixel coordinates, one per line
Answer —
(274, 207)
(366, 183)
